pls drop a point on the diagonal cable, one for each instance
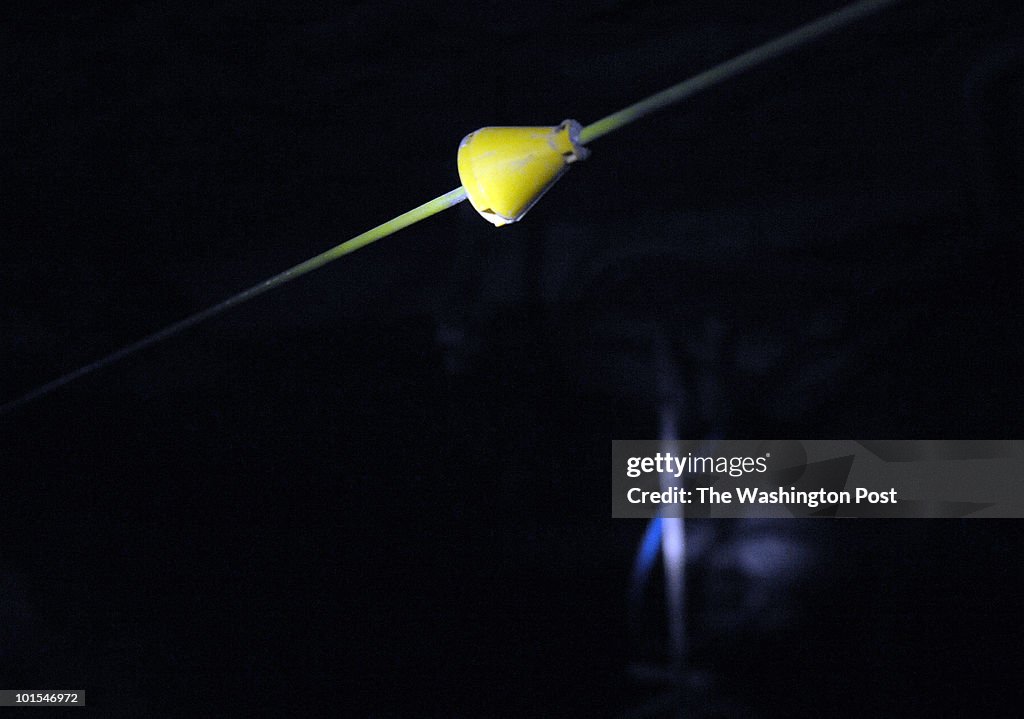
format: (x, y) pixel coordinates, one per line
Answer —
(678, 92)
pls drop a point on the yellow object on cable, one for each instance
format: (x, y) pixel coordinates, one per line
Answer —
(505, 170)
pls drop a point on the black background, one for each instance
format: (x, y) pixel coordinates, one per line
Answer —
(382, 490)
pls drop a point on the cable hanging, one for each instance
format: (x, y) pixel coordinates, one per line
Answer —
(549, 151)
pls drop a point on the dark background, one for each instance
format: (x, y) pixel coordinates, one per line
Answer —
(382, 490)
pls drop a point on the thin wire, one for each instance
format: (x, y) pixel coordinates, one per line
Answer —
(674, 94)
(438, 204)
(731, 68)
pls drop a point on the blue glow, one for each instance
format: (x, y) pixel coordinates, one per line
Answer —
(646, 557)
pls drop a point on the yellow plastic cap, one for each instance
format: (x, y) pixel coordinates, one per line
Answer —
(505, 170)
